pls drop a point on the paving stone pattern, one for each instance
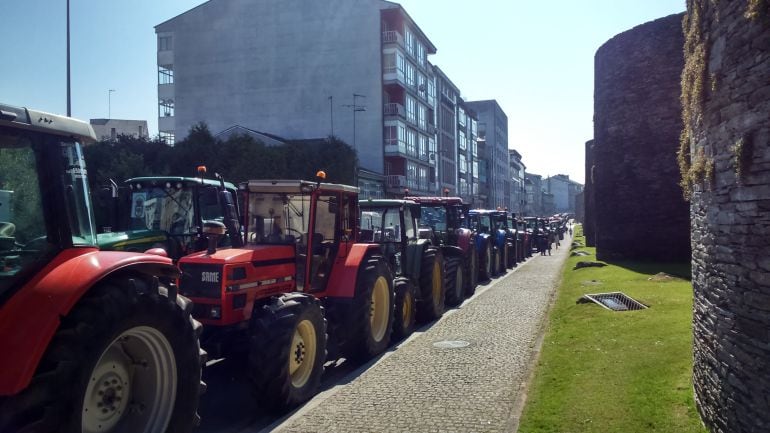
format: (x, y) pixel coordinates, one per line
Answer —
(421, 388)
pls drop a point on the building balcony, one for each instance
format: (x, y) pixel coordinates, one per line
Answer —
(166, 91)
(395, 181)
(392, 37)
(166, 123)
(394, 110)
(395, 148)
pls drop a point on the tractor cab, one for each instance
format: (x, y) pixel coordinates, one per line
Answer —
(169, 212)
(44, 197)
(294, 232)
(393, 225)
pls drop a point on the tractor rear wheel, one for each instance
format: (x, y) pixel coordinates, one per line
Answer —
(455, 282)
(125, 359)
(432, 288)
(288, 350)
(371, 320)
(405, 309)
(472, 271)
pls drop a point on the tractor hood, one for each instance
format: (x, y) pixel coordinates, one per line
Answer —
(254, 253)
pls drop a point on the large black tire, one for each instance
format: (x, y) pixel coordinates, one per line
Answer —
(472, 271)
(87, 379)
(454, 281)
(287, 351)
(432, 287)
(405, 309)
(371, 314)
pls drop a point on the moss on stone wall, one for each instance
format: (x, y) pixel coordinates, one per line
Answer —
(693, 89)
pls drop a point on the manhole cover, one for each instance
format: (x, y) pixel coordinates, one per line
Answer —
(451, 344)
(615, 301)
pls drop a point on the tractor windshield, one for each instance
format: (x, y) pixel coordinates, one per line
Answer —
(434, 216)
(277, 217)
(481, 223)
(381, 225)
(168, 208)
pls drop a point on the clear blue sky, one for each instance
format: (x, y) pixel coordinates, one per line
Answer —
(534, 58)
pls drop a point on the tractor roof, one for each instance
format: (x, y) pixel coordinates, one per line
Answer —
(370, 203)
(293, 186)
(436, 200)
(160, 180)
(40, 121)
(487, 212)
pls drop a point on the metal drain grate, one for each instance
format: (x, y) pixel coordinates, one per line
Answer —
(615, 301)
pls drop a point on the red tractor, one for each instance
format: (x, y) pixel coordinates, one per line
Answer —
(300, 275)
(444, 220)
(92, 340)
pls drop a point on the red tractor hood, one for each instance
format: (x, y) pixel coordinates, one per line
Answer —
(251, 253)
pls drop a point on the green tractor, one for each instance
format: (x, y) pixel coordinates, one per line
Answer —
(166, 212)
(418, 266)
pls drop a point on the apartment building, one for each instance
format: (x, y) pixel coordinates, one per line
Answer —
(493, 129)
(564, 191)
(110, 129)
(303, 69)
(518, 191)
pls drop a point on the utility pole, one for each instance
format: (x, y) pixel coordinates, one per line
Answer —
(356, 108)
(69, 103)
(109, 103)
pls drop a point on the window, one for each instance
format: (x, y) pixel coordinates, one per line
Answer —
(410, 72)
(165, 74)
(431, 145)
(389, 62)
(422, 116)
(431, 92)
(463, 164)
(391, 135)
(423, 179)
(411, 175)
(165, 43)
(423, 146)
(401, 65)
(167, 137)
(462, 141)
(411, 106)
(409, 41)
(410, 143)
(421, 54)
(166, 108)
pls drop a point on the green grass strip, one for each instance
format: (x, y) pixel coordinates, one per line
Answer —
(605, 371)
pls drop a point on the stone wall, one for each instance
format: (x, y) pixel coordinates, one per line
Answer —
(589, 221)
(726, 92)
(639, 209)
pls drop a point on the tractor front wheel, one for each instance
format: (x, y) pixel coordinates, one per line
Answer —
(125, 359)
(288, 350)
(454, 281)
(371, 320)
(432, 287)
(405, 309)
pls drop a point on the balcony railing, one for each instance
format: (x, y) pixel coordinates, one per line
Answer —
(392, 37)
(395, 181)
(394, 109)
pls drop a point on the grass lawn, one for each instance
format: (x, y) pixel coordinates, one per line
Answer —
(605, 371)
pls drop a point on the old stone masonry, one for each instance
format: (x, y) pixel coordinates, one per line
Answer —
(419, 387)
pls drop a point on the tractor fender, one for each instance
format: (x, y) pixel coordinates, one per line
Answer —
(30, 318)
(451, 251)
(500, 239)
(342, 281)
(481, 242)
(464, 239)
(414, 252)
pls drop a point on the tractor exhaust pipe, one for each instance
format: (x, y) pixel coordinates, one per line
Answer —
(213, 230)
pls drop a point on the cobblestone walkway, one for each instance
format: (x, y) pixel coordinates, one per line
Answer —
(421, 388)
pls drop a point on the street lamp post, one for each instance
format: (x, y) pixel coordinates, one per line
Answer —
(356, 108)
(69, 104)
(109, 103)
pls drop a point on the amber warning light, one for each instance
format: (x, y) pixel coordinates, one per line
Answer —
(321, 175)
(201, 170)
